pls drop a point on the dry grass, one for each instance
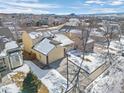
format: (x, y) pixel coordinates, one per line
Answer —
(18, 78)
(43, 89)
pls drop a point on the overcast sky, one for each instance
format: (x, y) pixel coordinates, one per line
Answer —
(62, 6)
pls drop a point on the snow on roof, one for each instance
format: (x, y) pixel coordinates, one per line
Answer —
(64, 40)
(115, 46)
(25, 68)
(50, 78)
(90, 40)
(8, 45)
(11, 45)
(11, 88)
(91, 61)
(74, 20)
(48, 34)
(44, 46)
(77, 31)
(102, 28)
(111, 81)
(3, 53)
(35, 35)
(55, 82)
(96, 33)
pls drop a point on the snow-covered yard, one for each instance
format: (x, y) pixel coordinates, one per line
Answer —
(11, 88)
(8, 85)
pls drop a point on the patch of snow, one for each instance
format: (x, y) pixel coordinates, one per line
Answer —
(25, 68)
(11, 88)
(3, 53)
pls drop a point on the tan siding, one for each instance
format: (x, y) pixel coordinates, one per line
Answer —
(40, 56)
(27, 42)
(55, 54)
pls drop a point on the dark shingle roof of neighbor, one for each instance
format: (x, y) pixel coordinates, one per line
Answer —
(7, 33)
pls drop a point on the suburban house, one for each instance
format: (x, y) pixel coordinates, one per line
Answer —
(43, 48)
(66, 42)
(10, 58)
(78, 42)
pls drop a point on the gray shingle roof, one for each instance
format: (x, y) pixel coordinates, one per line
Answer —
(44, 46)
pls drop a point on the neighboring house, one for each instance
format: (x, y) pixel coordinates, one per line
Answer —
(10, 57)
(73, 22)
(66, 42)
(44, 49)
(78, 42)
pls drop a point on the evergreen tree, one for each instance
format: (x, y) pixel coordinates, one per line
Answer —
(31, 84)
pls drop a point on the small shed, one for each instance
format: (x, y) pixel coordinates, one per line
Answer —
(47, 51)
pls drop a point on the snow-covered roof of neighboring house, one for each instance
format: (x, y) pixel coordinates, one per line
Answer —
(74, 20)
(115, 45)
(96, 33)
(111, 81)
(11, 45)
(90, 40)
(44, 46)
(91, 63)
(8, 46)
(35, 35)
(77, 31)
(64, 40)
(54, 81)
(11, 88)
(48, 34)
(102, 28)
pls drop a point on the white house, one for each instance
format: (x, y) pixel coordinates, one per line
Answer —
(10, 57)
